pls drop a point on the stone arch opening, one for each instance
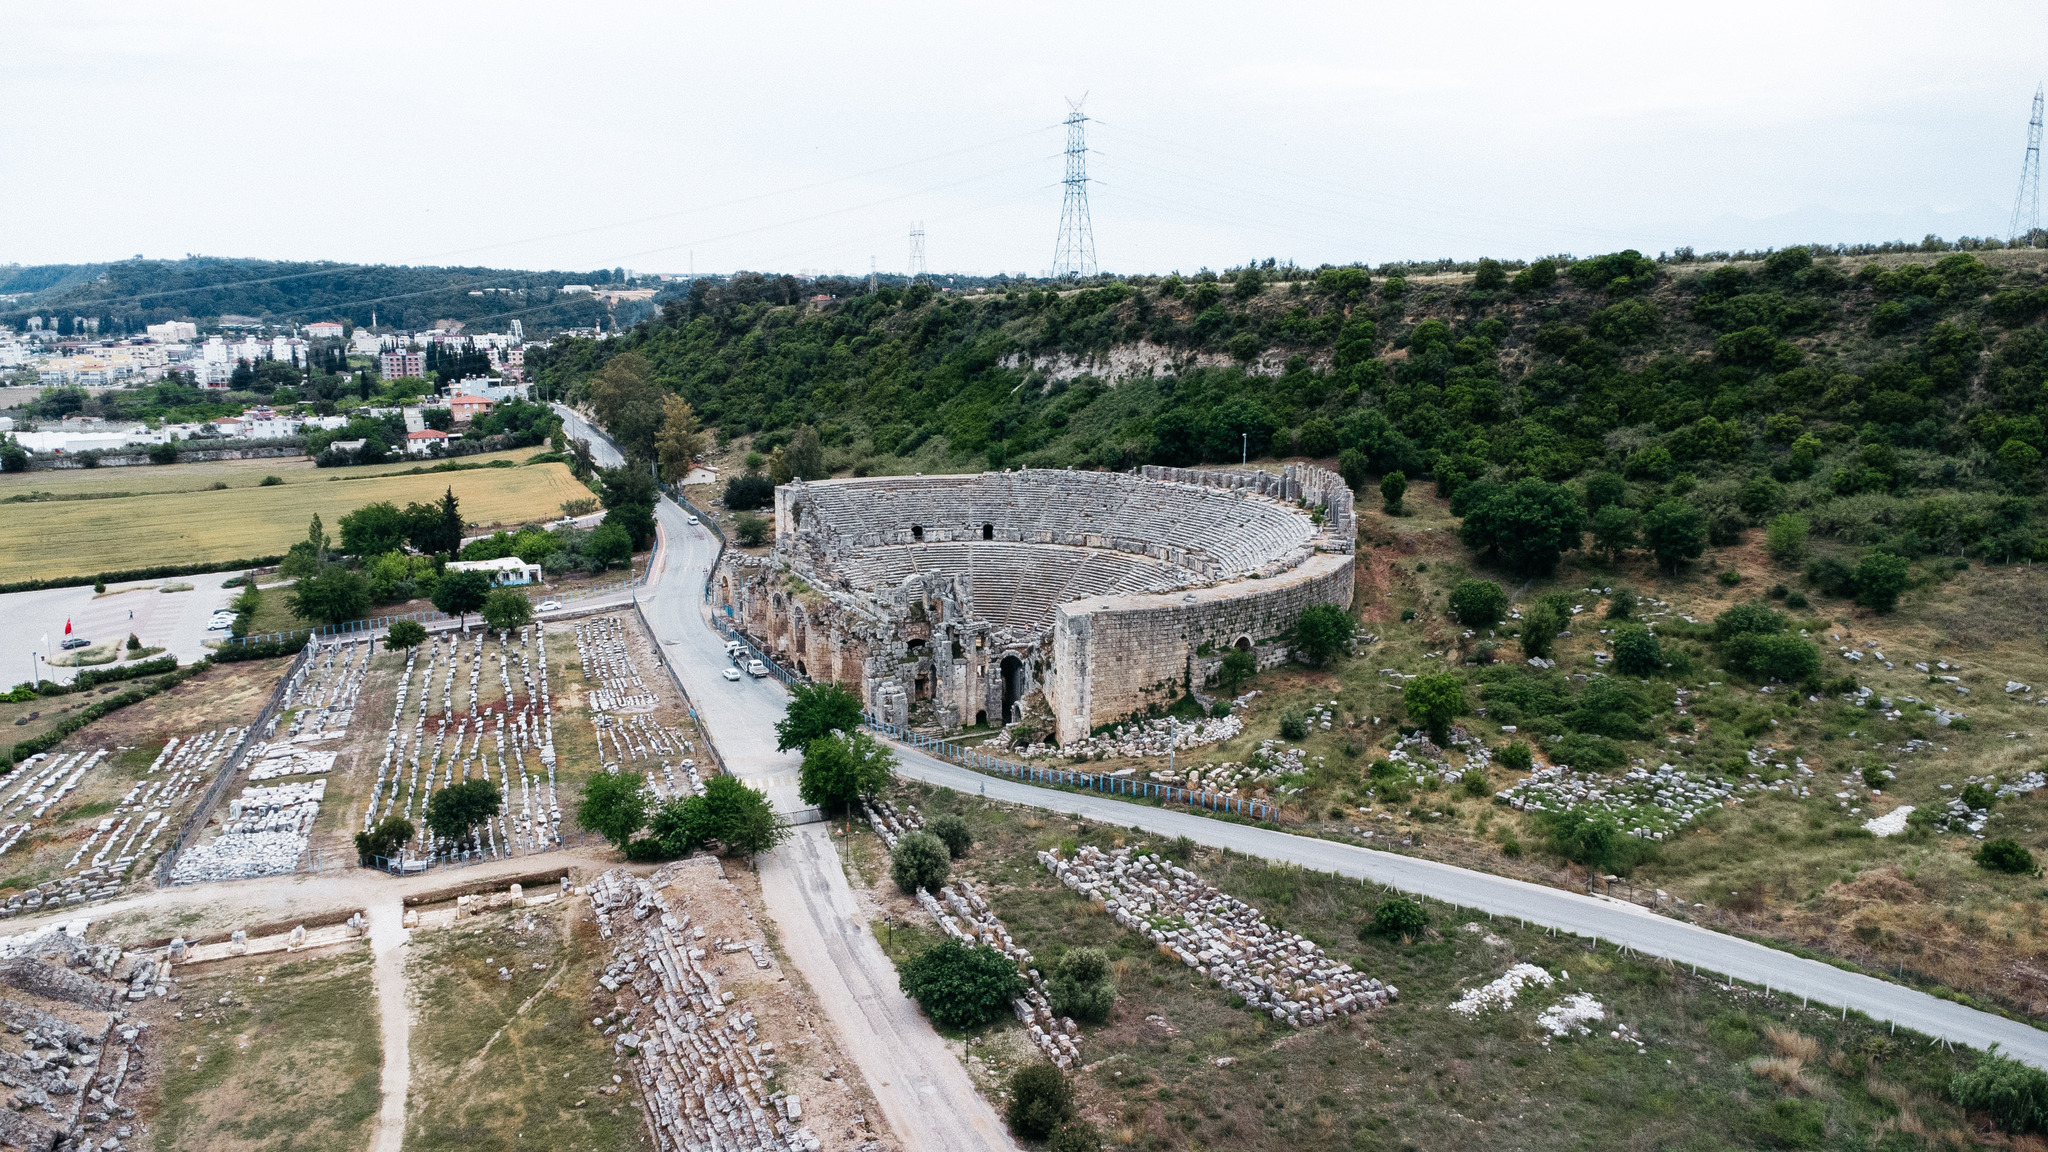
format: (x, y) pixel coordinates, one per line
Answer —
(1242, 644)
(917, 531)
(1013, 686)
(988, 531)
(980, 717)
(796, 515)
(801, 670)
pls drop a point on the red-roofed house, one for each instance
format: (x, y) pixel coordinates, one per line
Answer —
(422, 442)
(467, 408)
(328, 329)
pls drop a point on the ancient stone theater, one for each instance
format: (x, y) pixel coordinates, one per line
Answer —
(1066, 599)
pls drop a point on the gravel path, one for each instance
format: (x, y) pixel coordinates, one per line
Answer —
(388, 938)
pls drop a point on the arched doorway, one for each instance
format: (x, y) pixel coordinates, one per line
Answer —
(917, 531)
(980, 717)
(988, 531)
(1243, 644)
(1013, 686)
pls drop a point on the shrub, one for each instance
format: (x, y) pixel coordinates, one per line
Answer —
(1594, 841)
(2013, 1094)
(1747, 618)
(1478, 603)
(1880, 578)
(746, 493)
(2005, 856)
(1636, 652)
(951, 829)
(1772, 656)
(1674, 531)
(1730, 578)
(1831, 577)
(1040, 1101)
(1393, 486)
(1978, 796)
(1322, 631)
(1397, 916)
(1516, 756)
(751, 529)
(960, 986)
(1790, 1122)
(270, 482)
(1082, 987)
(1785, 538)
(1074, 1136)
(1621, 605)
(1293, 725)
(920, 860)
(1239, 665)
(1542, 622)
(1474, 783)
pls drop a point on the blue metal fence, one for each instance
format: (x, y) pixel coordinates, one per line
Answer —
(1092, 781)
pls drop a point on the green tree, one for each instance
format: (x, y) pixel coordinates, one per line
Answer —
(331, 595)
(1239, 665)
(1604, 488)
(919, 860)
(1615, 530)
(959, 986)
(1478, 603)
(383, 841)
(1636, 652)
(1741, 619)
(1355, 467)
(2006, 856)
(13, 457)
(1761, 497)
(373, 529)
(752, 530)
(1040, 1101)
(837, 770)
(1524, 526)
(805, 456)
(507, 608)
(1433, 701)
(1321, 632)
(1542, 623)
(454, 812)
(1675, 531)
(628, 404)
(728, 813)
(952, 831)
(679, 441)
(445, 537)
(614, 806)
(1880, 579)
(316, 539)
(460, 593)
(1081, 986)
(405, 634)
(1785, 538)
(1490, 276)
(609, 545)
(1393, 487)
(816, 710)
(1772, 656)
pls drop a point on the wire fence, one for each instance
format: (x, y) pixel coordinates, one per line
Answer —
(1059, 777)
(202, 811)
(465, 858)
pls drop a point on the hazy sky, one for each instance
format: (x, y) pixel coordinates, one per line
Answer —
(811, 137)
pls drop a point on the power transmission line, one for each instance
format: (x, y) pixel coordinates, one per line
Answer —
(2026, 207)
(1074, 255)
(917, 269)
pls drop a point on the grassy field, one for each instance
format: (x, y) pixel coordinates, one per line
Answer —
(96, 482)
(81, 536)
(288, 1065)
(515, 1063)
(1717, 1067)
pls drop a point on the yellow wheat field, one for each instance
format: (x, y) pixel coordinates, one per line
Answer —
(70, 537)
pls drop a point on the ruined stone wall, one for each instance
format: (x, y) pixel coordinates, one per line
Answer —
(1114, 656)
(1305, 482)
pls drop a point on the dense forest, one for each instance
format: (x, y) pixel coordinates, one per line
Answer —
(127, 295)
(1892, 399)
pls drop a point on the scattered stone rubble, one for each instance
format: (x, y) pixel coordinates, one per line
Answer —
(1137, 738)
(1219, 936)
(705, 1075)
(1502, 990)
(1650, 804)
(62, 1081)
(491, 741)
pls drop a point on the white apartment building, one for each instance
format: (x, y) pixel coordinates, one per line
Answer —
(172, 331)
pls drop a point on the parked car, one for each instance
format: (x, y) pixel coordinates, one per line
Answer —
(220, 623)
(731, 673)
(76, 642)
(756, 669)
(551, 605)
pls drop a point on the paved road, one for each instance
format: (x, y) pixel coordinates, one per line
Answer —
(1614, 921)
(923, 1091)
(576, 428)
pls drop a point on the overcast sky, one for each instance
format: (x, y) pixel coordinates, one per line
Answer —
(791, 137)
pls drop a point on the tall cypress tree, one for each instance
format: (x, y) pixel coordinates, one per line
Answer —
(451, 525)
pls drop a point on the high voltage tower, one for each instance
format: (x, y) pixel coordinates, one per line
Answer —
(1075, 253)
(2026, 207)
(917, 269)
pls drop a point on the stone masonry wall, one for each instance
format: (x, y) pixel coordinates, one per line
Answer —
(1305, 482)
(1113, 656)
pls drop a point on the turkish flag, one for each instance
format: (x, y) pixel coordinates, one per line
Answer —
(67, 626)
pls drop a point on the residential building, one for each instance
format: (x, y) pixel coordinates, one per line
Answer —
(503, 571)
(424, 441)
(324, 330)
(402, 363)
(173, 331)
(368, 343)
(467, 408)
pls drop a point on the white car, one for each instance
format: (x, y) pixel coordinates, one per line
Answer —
(551, 605)
(731, 674)
(692, 519)
(756, 669)
(219, 623)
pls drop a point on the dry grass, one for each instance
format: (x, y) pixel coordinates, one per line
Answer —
(65, 537)
(198, 477)
(1793, 1045)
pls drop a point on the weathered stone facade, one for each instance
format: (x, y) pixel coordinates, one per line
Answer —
(1104, 594)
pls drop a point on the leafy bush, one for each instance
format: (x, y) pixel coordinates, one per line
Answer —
(1772, 656)
(1239, 665)
(1636, 651)
(1393, 487)
(384, 840)
(1478, 603)
(1621, 605)
(1322, 631)
(752, 530)
(1747, 618)
(2005, 856)
(1397, 916)
(1595, 841)
(2013, 1094)
(1293, 725)
(1516, 756)
(920, 860)
(1785, 538)
(1074, 1136)
(614, 807)
(1433, 701)
(1880, 578)
(1977, 796)
(1040, 1101)
(1081, 986)
(746, 493)
(1791, 1123)
(952, 831)
(960, 986)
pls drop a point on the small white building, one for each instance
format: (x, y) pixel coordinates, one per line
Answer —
(424, 441)
(503, 571)
(324, 330)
